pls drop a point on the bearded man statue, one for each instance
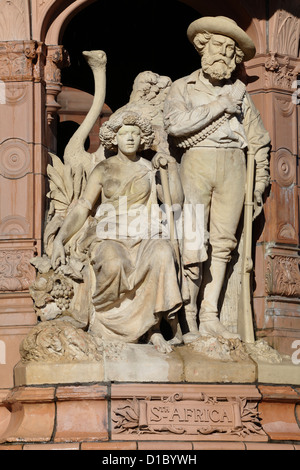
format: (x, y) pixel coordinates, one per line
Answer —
(214, 120)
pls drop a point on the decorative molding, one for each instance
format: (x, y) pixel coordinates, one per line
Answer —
(15, 93)
(287, 232)
(14, 20)
(284, 106)
(285, 168)
(286, 34)
(204, 415)
(16, 273)
(282, 276)
(14, 225)
(15, 159)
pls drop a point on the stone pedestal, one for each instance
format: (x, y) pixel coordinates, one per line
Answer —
(140, 399)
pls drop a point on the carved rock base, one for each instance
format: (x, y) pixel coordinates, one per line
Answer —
(139, 363)
(199, 362)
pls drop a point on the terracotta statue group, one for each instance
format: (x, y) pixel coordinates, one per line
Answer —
(129, 234)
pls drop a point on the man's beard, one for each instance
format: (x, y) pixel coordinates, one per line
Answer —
(218, 68)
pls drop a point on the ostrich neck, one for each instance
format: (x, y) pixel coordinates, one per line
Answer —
(80, 136)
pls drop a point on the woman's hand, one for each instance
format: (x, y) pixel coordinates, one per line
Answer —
(58, 253)
(162, 159)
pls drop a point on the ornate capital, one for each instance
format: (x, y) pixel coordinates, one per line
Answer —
(281, 71)
(57, 59)
(16, 60)
(20, 61)
(282, 64)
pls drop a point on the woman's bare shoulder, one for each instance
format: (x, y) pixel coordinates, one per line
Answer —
(102, 167)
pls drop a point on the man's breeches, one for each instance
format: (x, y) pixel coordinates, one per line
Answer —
(216, 178)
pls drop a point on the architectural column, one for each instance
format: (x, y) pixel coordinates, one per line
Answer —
(277, 275)
(30, 74)
(57, 58)
(23, 157)
(24, 141)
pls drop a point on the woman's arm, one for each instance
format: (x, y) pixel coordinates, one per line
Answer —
(77, 217)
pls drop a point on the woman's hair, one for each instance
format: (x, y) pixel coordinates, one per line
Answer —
(201, 39)
(110, 128)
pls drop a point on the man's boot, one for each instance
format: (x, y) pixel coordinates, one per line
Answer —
(193, 278)
(210, 324)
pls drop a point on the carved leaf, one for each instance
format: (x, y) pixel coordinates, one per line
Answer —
(58, 196)
(68, 180)
(56, 179)
(57, 164)
(51, 230)
(79, 180)
(250, 418)
(127, 417)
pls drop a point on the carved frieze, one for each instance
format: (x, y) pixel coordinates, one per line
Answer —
(16, 273)
(204, 415)
(283, 276)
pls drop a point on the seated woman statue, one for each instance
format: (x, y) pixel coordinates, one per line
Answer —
(136, 275)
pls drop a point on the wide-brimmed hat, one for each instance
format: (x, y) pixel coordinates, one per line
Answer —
(226, 27)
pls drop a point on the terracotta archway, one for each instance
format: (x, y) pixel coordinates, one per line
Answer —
(51, 17)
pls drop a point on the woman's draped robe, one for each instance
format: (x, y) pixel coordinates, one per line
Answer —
(136, 277)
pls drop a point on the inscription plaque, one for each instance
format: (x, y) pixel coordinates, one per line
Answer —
(176, 415)
(191, 417)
